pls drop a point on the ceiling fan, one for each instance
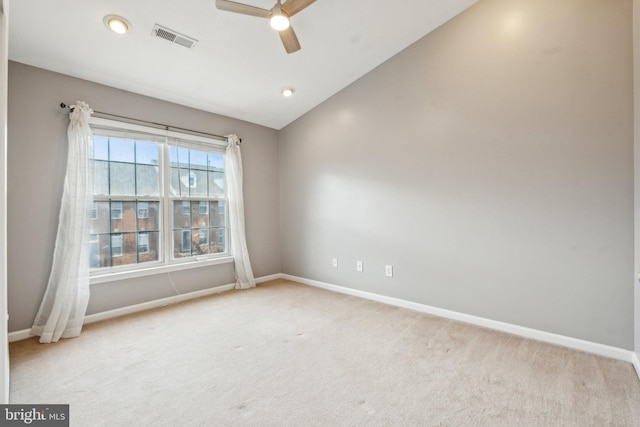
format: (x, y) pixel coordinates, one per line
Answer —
(279, 16)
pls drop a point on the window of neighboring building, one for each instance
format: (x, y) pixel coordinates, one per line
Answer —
(116, 245)
(204, 236)
(143, 210)
(143, 243)
(185, 244)
(116, 210)
(156, 200)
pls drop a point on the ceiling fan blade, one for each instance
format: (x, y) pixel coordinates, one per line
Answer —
(291, 7)
(289, 40)
(245, 9)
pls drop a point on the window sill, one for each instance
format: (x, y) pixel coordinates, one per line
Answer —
(131, 274)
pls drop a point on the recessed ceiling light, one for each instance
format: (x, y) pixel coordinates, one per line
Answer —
(117, 24)
(287, 92)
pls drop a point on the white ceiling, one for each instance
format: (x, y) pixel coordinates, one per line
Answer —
(239, 67)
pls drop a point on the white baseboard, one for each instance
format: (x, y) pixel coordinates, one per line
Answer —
(636, 363)
(268, 278)
(123, 311)
(561, 340)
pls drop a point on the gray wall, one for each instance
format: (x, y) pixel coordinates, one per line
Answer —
(37, 160)
(491, 164)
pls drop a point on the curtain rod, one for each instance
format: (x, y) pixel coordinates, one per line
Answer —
(161, 125)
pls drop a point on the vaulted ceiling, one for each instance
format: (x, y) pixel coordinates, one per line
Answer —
(238, 66)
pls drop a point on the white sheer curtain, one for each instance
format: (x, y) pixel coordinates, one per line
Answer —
(65, 301)
(233, 171)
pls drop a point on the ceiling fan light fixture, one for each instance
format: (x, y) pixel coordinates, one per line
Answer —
(117, 24)
(279, 21)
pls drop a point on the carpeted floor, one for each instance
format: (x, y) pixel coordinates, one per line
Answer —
(285, 354)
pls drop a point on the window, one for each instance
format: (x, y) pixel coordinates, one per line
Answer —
(116, 245)
(204, 236)
(143, 209)
(186, 241)
(116, 210)
(159, 197)
(143, 243)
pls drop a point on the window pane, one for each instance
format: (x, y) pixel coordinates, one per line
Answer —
(198, 160)
(147, 180)
(122, 177)
(127, 221)
(146, 153)
(185, 180)
(217, 214)
(143, 210)
(203, 208)
(216, 184)
(173, 156)
(200, 244)
(123, 248)
(199, 184)
(181, 219)
(100, 224)
(116, 245)
(94, 249)
(151, 221)
(153, 251)
(181, 243)
(183, 157)
(216, 162)
(100, 253)
(121, 150)
(175, 182)
(143, 243)
(101, 177)
(198, 219)
(217, 240)
(100, 148)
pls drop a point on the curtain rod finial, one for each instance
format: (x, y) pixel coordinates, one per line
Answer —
(63, 105)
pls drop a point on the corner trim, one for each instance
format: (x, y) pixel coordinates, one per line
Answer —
(636, 363)
(535, 334)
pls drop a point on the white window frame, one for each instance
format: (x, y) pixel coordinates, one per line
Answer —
(166, 263)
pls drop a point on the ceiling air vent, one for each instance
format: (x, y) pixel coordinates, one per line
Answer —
(173, 36)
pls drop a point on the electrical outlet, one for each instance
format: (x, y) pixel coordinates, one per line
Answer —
(335, 263)
(358, 265)
(388, 270)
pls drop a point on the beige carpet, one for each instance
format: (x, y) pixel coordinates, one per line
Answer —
(285, 354)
